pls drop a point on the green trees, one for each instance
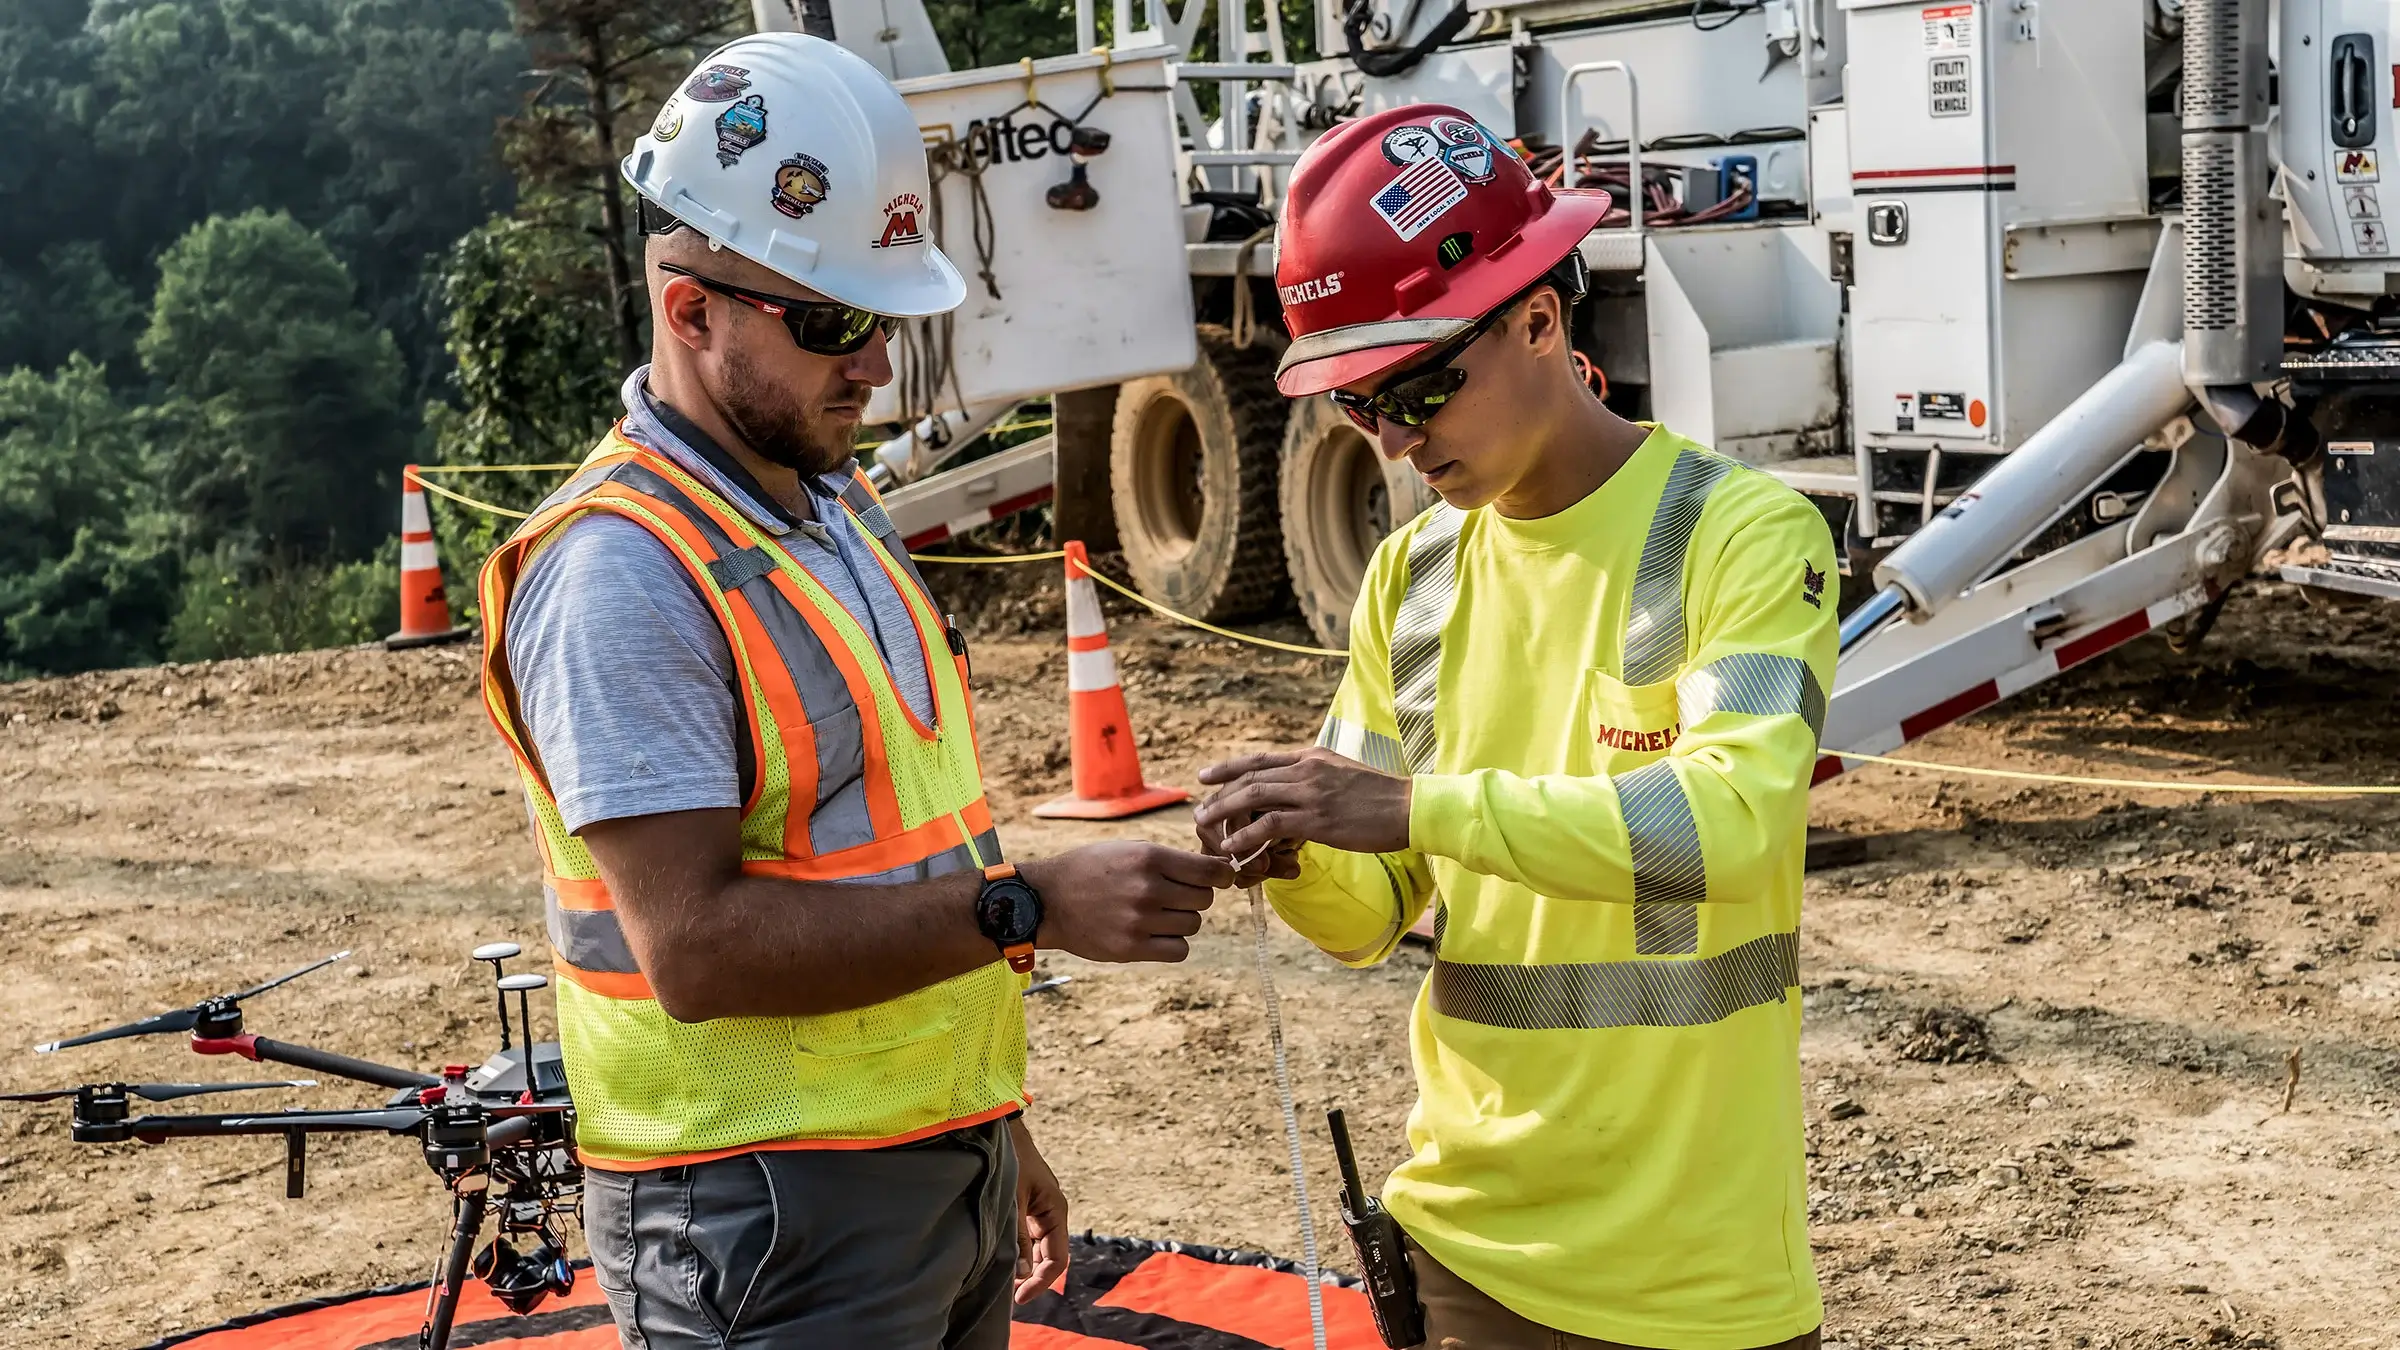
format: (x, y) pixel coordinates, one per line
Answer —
(215, 277)
(87, 575)
(281, 427)
(257, 254)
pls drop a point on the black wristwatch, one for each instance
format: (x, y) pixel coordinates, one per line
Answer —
(1009, 912)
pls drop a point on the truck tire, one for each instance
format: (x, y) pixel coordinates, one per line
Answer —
(1192, 469)
(1340, 498)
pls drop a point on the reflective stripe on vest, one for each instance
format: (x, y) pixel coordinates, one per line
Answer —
(1670, 875)
(849, 786)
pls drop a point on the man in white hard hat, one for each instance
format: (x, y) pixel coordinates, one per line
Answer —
(792, 956)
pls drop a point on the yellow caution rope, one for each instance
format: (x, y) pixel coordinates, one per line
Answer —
(2150, 784)
(1052, 556)
(1147, 603)
(1139, 599)
(464, 500)
(496, 468)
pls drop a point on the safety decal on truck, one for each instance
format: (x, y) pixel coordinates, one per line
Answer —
(2355, 166)
(1949, 28)
(1904, 412)
(2359, 200)
(2370, 236)
(1949, 86)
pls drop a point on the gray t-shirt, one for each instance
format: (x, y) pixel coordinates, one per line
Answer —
(623, 677)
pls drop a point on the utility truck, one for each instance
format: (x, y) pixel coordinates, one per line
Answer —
(2069, 314)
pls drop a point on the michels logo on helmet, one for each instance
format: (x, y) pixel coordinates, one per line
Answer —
(800, 184)
(900, 221)
(718, 84)
(1315, 289)
(669, 124)
(740, 128)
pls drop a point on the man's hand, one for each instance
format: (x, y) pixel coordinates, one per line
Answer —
(1125, 901)
(1042, 1221)
(1309, 796)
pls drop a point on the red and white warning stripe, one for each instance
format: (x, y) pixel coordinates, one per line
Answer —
(979, 517)
(2063, 656)
(1090, 665)
(416, 527)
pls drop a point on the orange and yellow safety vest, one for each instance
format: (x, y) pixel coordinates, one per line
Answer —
(843, 782)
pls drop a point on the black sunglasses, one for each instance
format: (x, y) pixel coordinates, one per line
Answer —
(819, 327)
(1413, 396)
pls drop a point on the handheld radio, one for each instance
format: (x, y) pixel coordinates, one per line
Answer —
(1382, 1259)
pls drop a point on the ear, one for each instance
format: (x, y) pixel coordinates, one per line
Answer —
(1545, 327)
(683, 312)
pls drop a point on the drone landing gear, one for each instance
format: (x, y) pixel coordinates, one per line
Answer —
(466, 1221)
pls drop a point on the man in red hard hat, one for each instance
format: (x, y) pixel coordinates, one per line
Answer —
(1580, 718)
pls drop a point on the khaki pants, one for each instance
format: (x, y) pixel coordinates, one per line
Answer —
(1458, 1316)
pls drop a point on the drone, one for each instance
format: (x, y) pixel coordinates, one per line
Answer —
(500, 1136)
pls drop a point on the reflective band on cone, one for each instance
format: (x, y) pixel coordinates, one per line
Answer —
(1108, 771)
(424, 605)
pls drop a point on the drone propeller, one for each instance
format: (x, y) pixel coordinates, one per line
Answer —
(183, 1019)
(157, 1092)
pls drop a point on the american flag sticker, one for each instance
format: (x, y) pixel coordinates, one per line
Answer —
(1419, 196)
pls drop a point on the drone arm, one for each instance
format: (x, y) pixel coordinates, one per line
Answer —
(159, 1129)
(258, 1048)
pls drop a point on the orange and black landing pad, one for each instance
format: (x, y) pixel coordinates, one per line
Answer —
(1119, 1292)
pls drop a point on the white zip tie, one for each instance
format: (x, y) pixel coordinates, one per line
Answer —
(1291, 1119)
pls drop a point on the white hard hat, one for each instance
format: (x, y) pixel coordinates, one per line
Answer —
(798, 155)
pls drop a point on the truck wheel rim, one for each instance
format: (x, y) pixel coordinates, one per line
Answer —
(1168, 464)
(1349, 505)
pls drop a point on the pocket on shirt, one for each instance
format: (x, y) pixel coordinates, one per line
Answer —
(1629, 725)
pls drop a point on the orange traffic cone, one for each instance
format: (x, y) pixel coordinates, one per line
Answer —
(1108, 772)
(424, 607)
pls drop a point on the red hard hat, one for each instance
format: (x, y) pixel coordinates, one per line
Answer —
(1400, 231)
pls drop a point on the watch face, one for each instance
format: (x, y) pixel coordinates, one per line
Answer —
(1012, 911)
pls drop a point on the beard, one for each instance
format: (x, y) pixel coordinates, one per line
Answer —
(776, 424)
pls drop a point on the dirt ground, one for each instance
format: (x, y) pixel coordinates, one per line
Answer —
(2046, 1056)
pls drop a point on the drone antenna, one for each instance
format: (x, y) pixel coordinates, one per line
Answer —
(497, 952)
(524, 985)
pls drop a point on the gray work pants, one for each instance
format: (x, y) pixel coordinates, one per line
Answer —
(908, 1248)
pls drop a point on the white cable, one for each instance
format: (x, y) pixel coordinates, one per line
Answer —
(1291, 1121)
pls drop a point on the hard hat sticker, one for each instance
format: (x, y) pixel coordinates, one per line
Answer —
(1467, 147)
(800, 183)
(739, 128)
(1421, 195)
(718, 84)
(900, 226)
(1454, 249)
(1407, 145)
(1473, 161)
(669, 124)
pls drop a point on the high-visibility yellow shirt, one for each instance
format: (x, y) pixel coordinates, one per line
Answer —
(1611, 716)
